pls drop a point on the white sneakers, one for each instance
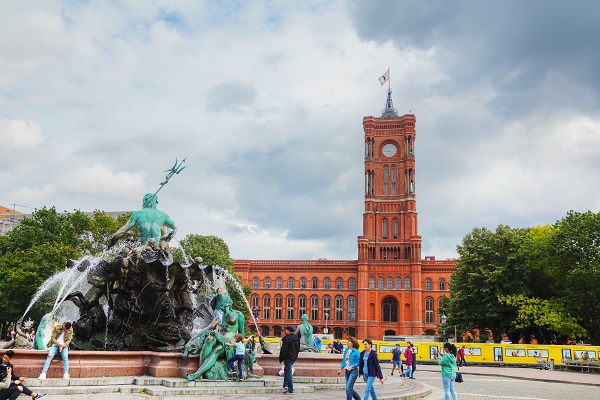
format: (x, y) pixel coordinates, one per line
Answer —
(43, 376)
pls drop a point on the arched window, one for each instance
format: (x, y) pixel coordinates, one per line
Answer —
(406, 282)
(291, 283)
(385, 180)
(351, 284)
(429, 309)
(315, 283)
(352, 332)
(384, 228)
(276, 331)
(339, 283)
(390, 282)
(395, 228)
(351, 308)
(278, 306)
(398, 283)
(301, 306)
(266, 306)
(393, 180)
(339, 308)
(302, 283)
(327, 283)
(267, 283)
(380, 282)
(389, 310)
(390, 332)
(327, 307)
(254, 300)
(255, 282)
(290, 307)
(279, 283)
(371, 282)
(440, 302)
(428, 284)
(265, 331)
(442, 284)
(314, 307)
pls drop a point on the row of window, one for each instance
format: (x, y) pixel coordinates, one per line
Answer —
(323, 310)
(337, 332)
(339, 283)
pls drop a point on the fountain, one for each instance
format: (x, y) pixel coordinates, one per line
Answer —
(136, 298)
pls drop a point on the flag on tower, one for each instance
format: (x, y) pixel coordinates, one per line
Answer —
(385, 77)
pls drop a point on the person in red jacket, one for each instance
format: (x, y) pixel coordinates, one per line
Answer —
(409, 362)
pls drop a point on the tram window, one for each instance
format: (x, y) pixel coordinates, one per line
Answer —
(515, 353)
(537, 352)
(473, 351)
(585, 355)
(566, 353)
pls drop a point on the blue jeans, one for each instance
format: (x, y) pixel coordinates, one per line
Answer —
(54, 351)
(350, 379)
(369, 389)
(449, 388)
(287, 375)
(408, 372)
(238, 358)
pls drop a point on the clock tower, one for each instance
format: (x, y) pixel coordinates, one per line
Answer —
(390, 242)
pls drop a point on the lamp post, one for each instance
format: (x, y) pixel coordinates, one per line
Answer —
(326, 315)
(443, 321)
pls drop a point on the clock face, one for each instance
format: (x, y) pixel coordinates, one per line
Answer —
(389, 150)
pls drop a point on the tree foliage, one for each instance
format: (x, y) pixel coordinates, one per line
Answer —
(541, 281)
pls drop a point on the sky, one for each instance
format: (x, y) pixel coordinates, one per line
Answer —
(265, 100)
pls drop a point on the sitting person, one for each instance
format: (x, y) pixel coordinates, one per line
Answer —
(544, 364)
(15, 383)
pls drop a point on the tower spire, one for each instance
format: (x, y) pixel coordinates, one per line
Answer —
(389, 110)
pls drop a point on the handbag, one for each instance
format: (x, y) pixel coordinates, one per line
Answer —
(458, 378)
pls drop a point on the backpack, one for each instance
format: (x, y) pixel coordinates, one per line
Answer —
(458, 378)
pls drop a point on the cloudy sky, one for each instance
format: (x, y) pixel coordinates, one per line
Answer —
(265, 99)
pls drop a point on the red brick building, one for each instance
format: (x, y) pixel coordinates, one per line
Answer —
(389, 290)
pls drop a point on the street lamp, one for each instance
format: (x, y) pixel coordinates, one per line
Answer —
(443, 321)
(326, 315)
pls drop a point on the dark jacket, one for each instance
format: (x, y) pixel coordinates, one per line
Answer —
(290, 347)
(373, 367)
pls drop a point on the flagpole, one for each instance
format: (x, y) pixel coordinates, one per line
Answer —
(389, 80)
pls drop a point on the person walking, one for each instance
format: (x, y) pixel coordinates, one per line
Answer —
(16, 386)
(59, 343)
(448, 363)
(409, 362)
(414, 360)
(290, 347)
(397, 359)
(369, 368)
(350, 364)
(461, 357)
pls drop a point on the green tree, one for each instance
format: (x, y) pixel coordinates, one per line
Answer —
(102, 226)
(489, 265)
(575, 265)
(548, 319)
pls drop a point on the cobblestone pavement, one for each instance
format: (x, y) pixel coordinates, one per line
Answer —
(481, 383)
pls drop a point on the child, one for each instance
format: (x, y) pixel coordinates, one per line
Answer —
(240, 350)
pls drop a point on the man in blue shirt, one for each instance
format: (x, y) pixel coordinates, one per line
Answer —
(338, 347)
(396, 360)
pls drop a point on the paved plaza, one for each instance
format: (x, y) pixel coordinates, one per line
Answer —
(481, 383)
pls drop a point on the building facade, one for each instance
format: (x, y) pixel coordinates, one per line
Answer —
(390, 289)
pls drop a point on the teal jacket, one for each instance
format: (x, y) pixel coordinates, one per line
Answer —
(448, 363)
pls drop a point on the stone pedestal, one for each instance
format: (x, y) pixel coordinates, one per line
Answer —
(307, 364)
